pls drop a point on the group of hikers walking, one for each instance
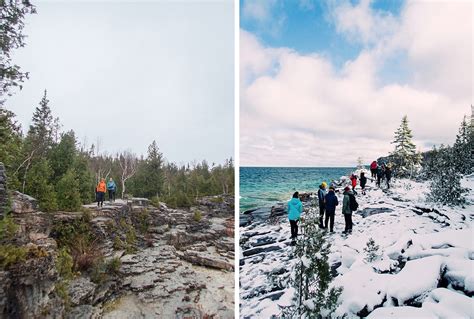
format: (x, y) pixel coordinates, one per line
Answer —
(103, 187)
(328, 201)
(381, 172)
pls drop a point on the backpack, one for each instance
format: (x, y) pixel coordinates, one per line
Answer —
(353, 205)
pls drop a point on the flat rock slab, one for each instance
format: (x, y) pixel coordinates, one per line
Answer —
(366, 212)
(259, 250)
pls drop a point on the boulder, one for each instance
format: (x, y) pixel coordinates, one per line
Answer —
(22, 203)
(81, 291)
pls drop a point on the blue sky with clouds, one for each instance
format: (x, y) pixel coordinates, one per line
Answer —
(337, 76)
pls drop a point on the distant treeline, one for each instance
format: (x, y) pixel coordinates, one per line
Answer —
(51, 166)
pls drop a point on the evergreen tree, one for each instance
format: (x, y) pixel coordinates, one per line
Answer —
(445, 187)
(42, 129)
(12, 15)
(68, 193)
(10, 145)
(85, 178)
(371, 251)
(405, 157)
(462, 149)
(38, 185)
(153, 183)
(430, 165)
(63, 154)
(314, 297)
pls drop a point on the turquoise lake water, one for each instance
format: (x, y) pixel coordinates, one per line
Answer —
(266, 186)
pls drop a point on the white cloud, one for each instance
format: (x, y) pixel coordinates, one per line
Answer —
(437, 37)
(361, 23)
(266, 15)
(298, 110)
(259, 10)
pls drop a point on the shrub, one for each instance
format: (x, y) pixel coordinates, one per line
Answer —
(197, 216)
(217, 199)
(143, 221)
(8, 228)
(62, 290)
(68, 194)
(64, 264)
(11, 254)
(113, 266)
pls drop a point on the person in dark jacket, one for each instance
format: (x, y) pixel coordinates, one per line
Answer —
(363, 182)
(380, 174)
(331, 202)
(388, 175)
(295, 208)
(321, 194)
(346, 210)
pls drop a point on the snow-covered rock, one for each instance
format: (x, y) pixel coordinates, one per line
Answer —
(422, 248)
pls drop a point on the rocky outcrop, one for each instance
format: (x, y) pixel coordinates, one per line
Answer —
(170, 262)
(3, 190)
(28, 288)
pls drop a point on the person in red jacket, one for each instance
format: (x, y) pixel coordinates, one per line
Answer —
(353, 181)
(373, 169)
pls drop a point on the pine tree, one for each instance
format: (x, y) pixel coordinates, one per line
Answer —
(62, 155)
(40, 134)
(405, 155)
(12, 15)
(85, 178)
(39, 187)
(371, 251)
(314, 297)
(153, 184)
(68, 194)
(360, 163)
(462, 149)
(10, 145)
(445, 187)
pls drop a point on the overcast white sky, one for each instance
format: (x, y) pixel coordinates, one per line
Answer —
(129, 73)
(339, 91)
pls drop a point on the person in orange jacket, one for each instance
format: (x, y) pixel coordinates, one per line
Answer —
(100, 192)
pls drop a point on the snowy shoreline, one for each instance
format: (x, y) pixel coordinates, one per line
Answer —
(424, 267)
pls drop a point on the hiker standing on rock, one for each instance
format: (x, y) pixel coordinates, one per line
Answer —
(349, 204)
(373, 169)
(380, 174)
(388, 174)
(331, 202)
(100, 192)
(353, 182)
(295, 208)
(111, 188)
(321, 194)
(363, 182)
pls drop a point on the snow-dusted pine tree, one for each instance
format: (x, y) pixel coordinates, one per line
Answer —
(371, 251)
(405, 156)
(312, 277)
(360, 163)
(462, 149)
(445, 185)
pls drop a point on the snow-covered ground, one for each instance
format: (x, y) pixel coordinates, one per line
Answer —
(425, 267)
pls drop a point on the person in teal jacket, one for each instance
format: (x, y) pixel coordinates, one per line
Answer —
(111, 188)
(295, 208)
